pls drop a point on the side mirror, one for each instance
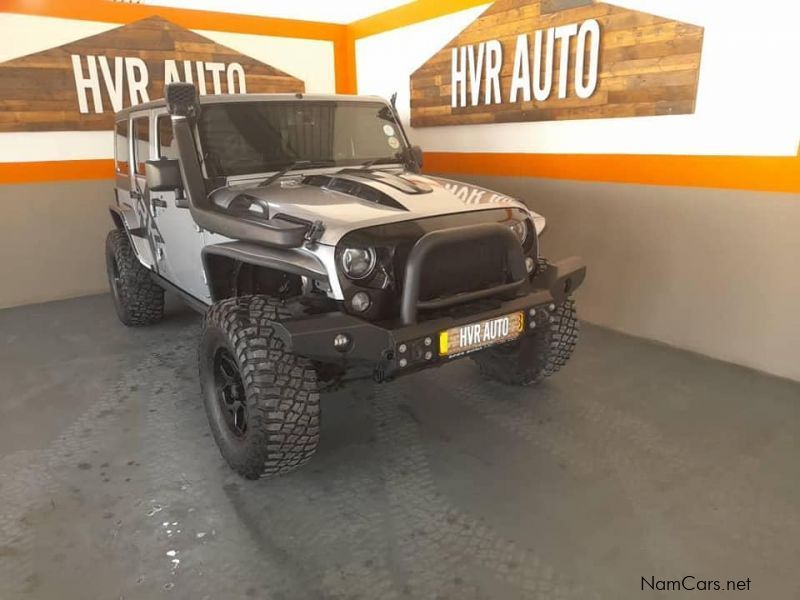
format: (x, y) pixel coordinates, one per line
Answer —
(163, 175)
(416, 155)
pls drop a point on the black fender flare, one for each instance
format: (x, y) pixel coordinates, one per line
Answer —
(122, 220)
(116, 216)
(293, 261)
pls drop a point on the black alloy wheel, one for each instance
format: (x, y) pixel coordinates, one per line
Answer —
(230, 392)
(262, 400)
(115, 281)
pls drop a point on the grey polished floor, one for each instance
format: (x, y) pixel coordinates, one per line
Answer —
(636, 461)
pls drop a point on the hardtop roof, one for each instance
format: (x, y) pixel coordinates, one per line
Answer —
(222, 98)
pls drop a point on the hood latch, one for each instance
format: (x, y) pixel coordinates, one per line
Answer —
(315, 232)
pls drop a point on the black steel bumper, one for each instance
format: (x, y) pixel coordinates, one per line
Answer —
(379, 346)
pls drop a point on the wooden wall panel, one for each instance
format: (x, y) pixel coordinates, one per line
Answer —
(648, 65)
(38, 92)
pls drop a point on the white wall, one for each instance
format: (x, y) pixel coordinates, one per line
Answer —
(747, 101)
(309, 60)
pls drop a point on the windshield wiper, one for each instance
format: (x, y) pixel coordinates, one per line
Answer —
(294, 166)
(376, 161)
(368, 164)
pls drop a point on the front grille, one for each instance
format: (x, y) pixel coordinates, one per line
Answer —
(463, 267)
(448, 269)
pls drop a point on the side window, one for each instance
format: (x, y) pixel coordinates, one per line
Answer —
(141, 143)
(121, 147)
(167, 148)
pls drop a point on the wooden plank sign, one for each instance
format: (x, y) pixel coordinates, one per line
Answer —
(545, 60)
(79, 86)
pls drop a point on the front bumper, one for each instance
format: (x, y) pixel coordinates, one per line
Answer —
(377, 345)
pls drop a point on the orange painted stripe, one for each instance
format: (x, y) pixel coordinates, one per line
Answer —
(61, 170)
(758, 173)
(755, 173)
(106, 11)
(410, 14)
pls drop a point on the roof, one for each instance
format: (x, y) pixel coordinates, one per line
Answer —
(218, 98)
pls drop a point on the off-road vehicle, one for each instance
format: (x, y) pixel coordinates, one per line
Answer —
(302, 229)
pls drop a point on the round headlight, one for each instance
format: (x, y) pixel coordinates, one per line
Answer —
(358, 263)
(520, 230)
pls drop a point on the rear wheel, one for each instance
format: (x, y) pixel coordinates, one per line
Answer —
(137, 299)
(262, 401)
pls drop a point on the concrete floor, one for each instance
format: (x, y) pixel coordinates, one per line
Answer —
(636, 461)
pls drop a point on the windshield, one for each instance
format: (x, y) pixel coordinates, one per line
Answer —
(240, 138)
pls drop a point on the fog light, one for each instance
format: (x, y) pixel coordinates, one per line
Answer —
(428, 355)
(360, 301)
(532, 312)
(403, 362)
(402, 348)
(530, 264)
(341, 342)
(428, 341)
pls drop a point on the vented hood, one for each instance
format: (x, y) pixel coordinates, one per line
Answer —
(350, 199)
(358, 183)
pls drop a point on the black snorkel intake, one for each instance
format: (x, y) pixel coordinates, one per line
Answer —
(184, 108)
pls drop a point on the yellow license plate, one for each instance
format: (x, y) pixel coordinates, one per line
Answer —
(473, 336)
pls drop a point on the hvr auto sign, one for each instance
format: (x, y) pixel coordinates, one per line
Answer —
(131, 75)
(80, 85)
(477, 66)
(553, 60)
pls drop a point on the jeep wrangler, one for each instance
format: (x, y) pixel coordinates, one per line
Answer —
(301, 228)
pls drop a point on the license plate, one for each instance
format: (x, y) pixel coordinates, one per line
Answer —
(489, 332)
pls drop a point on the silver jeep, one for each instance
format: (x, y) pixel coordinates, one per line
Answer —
(301, 228)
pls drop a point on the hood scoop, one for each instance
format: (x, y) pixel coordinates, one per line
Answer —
(358, 186)
(407, 186)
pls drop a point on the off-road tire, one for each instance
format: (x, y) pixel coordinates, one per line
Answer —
(138, 300)
(540, 353)
(280, 392)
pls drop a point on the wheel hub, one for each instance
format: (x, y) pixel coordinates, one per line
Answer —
(230, 392)
(116, 278)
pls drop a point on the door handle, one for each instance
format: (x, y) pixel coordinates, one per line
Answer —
(135, 195)
(158, 202)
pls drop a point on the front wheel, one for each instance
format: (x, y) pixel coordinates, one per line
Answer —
(262, 401)
(537, 355)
